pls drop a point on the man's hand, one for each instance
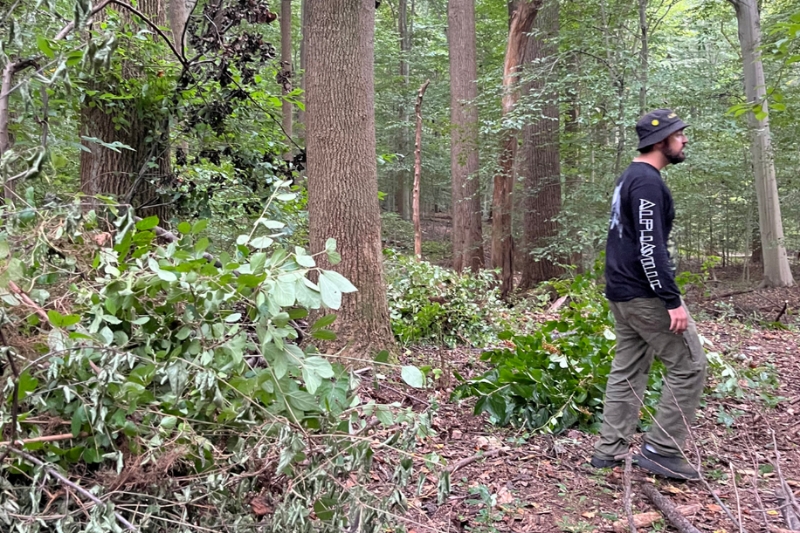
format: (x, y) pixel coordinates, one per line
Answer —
(679, 320)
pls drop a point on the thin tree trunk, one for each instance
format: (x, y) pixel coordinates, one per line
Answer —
(342, 169)
(401, 177)
(467, 230)
(644, 54)
(540, 161)
(301, 113)
(418, 171)
(775, 260)
(286, 72)
(10, 70)
(502, 241)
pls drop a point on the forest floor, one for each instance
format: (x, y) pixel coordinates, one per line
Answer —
(544, 483)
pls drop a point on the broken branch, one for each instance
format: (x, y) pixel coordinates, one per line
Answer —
(666, 506)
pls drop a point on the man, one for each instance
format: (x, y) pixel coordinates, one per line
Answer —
(651, 319)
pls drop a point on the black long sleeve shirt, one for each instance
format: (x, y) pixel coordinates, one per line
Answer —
(637, 261)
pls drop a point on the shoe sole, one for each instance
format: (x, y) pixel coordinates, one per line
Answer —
(651, 466)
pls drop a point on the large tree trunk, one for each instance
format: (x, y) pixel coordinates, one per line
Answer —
(776, 263)
(524, 14)
(540, 162)
(342, 169)
(131, 175)
(467, 232)
(402, 187)
(286, 72)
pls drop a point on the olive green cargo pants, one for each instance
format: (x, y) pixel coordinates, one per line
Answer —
(642, 329)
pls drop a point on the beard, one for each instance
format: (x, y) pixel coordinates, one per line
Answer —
(674, 157)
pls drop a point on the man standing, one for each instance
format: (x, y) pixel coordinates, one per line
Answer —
(651, 319)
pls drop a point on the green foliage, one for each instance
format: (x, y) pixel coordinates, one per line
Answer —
(182, 385)
(554, 378)
(429, 303)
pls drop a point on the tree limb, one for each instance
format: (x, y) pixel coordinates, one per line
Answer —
(30, 458)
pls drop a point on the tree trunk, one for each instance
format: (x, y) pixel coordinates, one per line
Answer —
(132, 175)
(775, 261)
(502, 241)
(178, 15)
(418, 172)
(286, 73)
(541, 164)
(301, 113)
(402, 195)
(467, 230)
(10, 70)
(342, 169)
(644, 56)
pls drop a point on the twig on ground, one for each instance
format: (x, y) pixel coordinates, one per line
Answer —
(761, 508)
(30, 458)
(46, 438)
(668, 508)
(407, 395)
(627, 480)
(785, 307)
(645, 520)
(736, 492)
(27, 301)
(481, 455)
(785, 496)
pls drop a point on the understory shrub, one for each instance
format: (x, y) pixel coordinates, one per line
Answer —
(555, 378)
(170, 385)
(429, 303)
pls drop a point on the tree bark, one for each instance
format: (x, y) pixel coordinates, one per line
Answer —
(775, 260)
(131, 175)
(342, 169)
(10, 70)
(644, 57)
(467, 230)
(502, 241)
(301, 114)
(286, 73)
(402, 197)
(541, 162)
(178, 15)
(418, 172)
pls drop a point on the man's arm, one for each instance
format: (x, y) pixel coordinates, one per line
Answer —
(646, 205)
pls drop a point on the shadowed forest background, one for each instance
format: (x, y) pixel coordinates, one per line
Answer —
(336, 265)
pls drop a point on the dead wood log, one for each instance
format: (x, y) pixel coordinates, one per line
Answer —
(645, 520)
(666, 506)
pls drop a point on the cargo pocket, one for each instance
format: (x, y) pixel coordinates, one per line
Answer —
(696, 351)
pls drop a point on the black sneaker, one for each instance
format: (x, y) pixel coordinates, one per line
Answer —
(671, 466)
(597, 462)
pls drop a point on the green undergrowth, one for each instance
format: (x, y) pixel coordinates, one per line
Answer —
(437, 305)
(176, 389)
(555, 378)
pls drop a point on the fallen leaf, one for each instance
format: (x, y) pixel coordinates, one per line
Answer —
(713, 507)
(504, 496)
